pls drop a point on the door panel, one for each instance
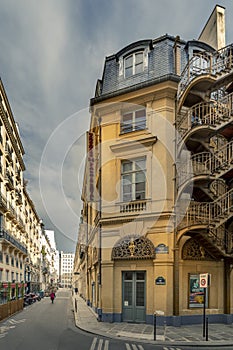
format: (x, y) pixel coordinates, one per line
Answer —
(134, 306)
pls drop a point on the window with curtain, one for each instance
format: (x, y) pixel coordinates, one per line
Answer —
(133, 176)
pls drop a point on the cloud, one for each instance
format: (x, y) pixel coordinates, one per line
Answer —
(52, 53)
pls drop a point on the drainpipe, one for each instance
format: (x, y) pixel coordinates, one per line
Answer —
(227, 286)
(100, 224)
(176, 246)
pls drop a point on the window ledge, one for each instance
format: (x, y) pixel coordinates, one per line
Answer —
(133, 144)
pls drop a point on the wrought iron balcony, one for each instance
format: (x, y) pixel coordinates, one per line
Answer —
(4, 235)
(19, 198)
(207, 163)
(206, 63)
(212, 214)
(9, 180)
(8, 152)
(3, 203)
(214, 114)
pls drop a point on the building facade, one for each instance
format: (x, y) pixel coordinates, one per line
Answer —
(157, 190)
(54, 258)
(66, 268)
(20, 228)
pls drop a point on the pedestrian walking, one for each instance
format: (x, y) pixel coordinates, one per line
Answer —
(52, 296)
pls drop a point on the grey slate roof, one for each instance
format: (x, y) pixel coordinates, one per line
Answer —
(160, 65)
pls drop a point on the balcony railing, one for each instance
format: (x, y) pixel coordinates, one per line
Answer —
(9, 238)
(209, 213)
(218, 187)
(222, 238)
(131, 207)
(3, 202)
(9, 180)
(206, 163)
(206, 63)
(211, 113)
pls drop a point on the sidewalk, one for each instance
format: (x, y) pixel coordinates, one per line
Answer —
(86, 319)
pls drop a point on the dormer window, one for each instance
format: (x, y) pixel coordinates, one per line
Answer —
(133, 64)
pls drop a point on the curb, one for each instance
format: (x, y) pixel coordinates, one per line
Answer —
(187, 344)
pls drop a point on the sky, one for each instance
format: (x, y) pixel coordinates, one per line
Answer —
(51, 54)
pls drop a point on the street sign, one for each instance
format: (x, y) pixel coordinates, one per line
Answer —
(203, 280)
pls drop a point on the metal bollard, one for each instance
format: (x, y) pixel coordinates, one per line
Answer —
(207, 328)
(155, 326)
(76, 309)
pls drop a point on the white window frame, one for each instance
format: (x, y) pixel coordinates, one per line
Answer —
(134, 123)
(132, 175)
(134, 63)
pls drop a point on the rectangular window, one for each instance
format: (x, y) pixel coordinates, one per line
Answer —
(129, 66)
(133, 176)
(133, 64)
(133, 121)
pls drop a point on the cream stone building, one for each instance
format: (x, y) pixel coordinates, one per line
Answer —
(66, 269)
(20, 228)
(157, 190)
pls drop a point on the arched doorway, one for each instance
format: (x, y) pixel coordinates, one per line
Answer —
(134, 282)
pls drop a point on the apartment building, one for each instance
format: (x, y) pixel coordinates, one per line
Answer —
(66, 269)
(157, 190)
(54, 257)
(20, 229)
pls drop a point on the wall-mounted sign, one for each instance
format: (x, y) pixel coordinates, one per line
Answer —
(90, 166)
(160, 281)
(161, 249)
(196, 292)
(203, 280)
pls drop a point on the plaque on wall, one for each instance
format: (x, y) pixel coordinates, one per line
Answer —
(160, 281)
(161, 249)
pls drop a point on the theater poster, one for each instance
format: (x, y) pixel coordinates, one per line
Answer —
(196, 293)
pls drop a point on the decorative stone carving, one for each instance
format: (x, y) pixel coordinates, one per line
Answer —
(95, 255)
(192, 250)
(133, 247)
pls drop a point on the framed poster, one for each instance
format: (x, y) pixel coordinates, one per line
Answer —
(196, 293)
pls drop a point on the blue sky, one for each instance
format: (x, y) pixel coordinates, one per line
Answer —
(52, 53)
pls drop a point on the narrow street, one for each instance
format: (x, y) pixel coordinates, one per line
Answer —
(48, 326)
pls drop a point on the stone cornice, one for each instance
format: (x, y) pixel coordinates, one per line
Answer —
(122, 146)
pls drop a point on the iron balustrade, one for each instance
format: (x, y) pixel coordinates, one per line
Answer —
(215, 63)
(218, 187)
(206, 163)
(6, 236)
(208, 213)
(212, 113)
(3, 201)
